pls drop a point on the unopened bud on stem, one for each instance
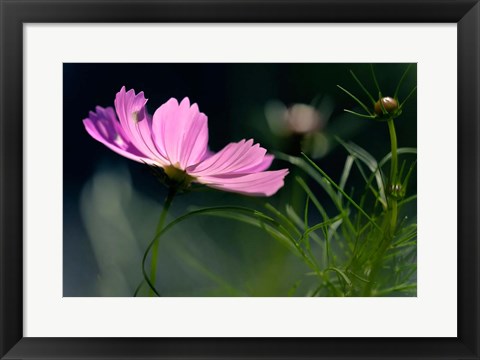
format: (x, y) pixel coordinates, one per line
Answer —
(389, 104)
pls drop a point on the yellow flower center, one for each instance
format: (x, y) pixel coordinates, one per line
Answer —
(178, 176)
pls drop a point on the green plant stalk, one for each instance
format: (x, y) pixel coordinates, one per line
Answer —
(394, 146)
(393, 206)
(391, 215)
(160, 224)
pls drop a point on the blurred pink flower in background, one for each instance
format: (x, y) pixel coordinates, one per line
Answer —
(176, 139)
(302, 119)
(296, 119)
(303, 123)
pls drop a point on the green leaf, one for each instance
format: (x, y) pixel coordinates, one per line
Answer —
(342, 274)
(398, 288)
(400, 151)
(374, 76)
(333, 225)
(358, 114)
(365, 157)
(395, 96)
(408, 97)
(286, 221)
(302, 164)
(323, 224)
(363, 87)
(358, 277)
(300, 223)
(305, 221)
(323, 182)
(346, 171)
(409, 233)
(342, 192)
(407, 177)
(294, 288)
(409, 274)
(312, 196)
(305, 212)
(282, 235)
(402, 169)
(407, 200)
(364, 107)
(368, 183)
(139, 288)
(316, 291)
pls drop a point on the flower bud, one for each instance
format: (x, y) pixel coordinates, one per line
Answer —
(389, 104)
(397, 191)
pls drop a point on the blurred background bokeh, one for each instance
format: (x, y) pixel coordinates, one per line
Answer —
(112, 204)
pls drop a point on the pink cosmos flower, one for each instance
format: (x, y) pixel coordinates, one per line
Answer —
(176, 139)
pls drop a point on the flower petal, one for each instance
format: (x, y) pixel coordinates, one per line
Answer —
(262, 166)
(103, 126)
(264, 183)
(136, 123)
(235, 158)
(239, 167)
(180, 132)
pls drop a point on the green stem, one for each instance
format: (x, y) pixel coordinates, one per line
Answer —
(391, 215)
(393, 141)
(161, 223)
(393, 221)
(393, 176)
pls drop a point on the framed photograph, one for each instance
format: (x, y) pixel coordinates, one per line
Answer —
(241, 179)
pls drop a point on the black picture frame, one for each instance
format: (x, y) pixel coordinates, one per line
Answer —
(14, 13)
